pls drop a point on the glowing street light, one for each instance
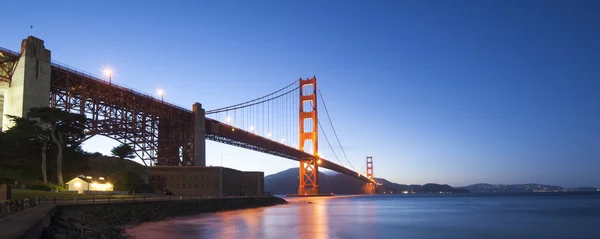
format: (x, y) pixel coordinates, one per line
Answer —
(251, 128)
(319, 161)
(228, 119)
(161, 92)
(108, 72)
(283, 140)
(269, 135)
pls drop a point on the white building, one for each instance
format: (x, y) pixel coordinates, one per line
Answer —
(81, 184)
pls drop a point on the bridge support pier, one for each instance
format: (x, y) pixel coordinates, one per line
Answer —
(29, 85)
(199, 135)
(309, 175)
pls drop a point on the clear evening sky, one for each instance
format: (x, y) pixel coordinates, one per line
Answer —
(455, 92)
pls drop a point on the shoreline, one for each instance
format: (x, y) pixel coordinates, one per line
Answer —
(112, 220)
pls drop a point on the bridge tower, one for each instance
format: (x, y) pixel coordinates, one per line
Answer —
(369, 166)
(309, 167)
(24, 82)
(370, 188)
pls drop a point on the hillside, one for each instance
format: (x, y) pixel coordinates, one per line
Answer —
(104, 166)
(389, 187)
(287, 182)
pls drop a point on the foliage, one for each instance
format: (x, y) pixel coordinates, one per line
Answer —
(123, 151)
(126, 180)
(24, 143)
(31, 132)
(10, 175)
(103, 166)
(5, 180)
(40, 187)
(66, 130)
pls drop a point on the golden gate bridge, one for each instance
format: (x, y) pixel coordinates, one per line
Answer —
(283, 123)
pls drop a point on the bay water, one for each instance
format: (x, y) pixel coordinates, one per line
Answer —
(530, 215)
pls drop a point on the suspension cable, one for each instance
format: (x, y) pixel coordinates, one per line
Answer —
(250, 101)
(334, 132)
(244, 106)
(326, 139)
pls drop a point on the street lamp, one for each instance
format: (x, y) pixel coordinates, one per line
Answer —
(161, 92)
(108, 72)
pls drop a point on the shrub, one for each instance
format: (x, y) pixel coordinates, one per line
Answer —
(40, 187)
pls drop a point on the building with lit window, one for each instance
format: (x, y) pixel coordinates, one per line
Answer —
(83, 184)
(194, 180)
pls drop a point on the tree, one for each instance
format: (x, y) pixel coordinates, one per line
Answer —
(123, 151)
(126, 180)
(66, 130)
(31, 132)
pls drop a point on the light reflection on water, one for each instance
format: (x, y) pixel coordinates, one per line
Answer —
(395, 217)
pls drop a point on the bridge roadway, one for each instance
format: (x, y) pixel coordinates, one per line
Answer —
(215, 130)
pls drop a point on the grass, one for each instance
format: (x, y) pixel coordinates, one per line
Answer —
(28, 193)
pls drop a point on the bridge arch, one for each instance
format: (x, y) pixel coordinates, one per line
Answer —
(160, 133)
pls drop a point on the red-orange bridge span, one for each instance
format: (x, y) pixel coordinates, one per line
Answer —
(158, 131)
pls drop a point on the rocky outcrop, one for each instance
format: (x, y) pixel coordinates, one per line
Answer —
(107, 220)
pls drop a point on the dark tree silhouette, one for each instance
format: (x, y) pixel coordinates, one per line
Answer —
(65, 129)
(123, 151)
(34, 133)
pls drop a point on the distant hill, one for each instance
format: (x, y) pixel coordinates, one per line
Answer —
(389, 187)
(287, 182)
(520, 188)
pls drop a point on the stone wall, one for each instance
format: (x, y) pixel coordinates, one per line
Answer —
(107, 220)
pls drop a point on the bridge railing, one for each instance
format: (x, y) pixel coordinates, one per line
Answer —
(9, 51)
(74, 70)
(71, 69)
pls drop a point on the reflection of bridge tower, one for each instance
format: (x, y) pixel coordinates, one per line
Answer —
(309, 167)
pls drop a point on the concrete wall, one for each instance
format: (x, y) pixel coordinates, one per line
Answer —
(30, 85)
(2, 89)
(206, 181)
(190, 180)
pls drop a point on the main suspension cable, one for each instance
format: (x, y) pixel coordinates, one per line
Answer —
(332, 127)
(250, 101)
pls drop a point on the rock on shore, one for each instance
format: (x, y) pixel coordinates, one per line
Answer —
(107, 220)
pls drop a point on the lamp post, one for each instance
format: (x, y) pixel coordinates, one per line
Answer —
(108, 72)
(161, 92)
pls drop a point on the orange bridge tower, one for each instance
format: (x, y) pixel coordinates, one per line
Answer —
(309, 168)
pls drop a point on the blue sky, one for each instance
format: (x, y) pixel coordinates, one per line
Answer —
(455, 92)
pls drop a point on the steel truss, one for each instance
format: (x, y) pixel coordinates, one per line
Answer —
(8, 64)
(159, 133)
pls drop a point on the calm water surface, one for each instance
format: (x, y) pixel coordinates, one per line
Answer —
(397, 216)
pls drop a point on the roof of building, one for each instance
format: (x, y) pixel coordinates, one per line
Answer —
(89, 180)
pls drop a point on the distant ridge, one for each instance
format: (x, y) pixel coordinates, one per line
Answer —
(519, 188)
(287, 182)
